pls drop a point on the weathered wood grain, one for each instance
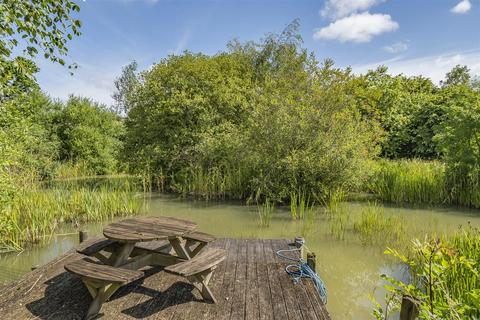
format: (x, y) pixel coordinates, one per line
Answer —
(248, 282)
(206, 259)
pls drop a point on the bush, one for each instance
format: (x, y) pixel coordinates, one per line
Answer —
(260, 120)
(89, 134)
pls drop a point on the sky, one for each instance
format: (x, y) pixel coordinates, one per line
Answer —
(413, 37)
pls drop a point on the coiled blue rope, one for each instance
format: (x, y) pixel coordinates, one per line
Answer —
(302, 270)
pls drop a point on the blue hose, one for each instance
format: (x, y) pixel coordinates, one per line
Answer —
(302, 270)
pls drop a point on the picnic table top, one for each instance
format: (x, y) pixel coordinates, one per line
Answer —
(148, 229)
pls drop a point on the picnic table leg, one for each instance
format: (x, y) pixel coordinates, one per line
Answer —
(200, 281)
(179, 248)
(100, 294)
(121, 256)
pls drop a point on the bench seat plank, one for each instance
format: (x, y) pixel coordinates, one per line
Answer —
(200, 237)
(205, 260)
(94, 245)
(91, 270)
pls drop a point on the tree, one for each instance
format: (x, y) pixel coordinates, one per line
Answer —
(90, 134)
(34, 27)
(125, 86)
(459, 75)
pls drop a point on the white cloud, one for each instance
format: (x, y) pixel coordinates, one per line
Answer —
(182, 42)
(91, 81)
(462, 7)
(336, 9)
(433, 67)
(397, 47)
(358, 27)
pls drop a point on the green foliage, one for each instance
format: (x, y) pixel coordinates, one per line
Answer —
(410, 181)
(263, 115)
(374, 226)
(36, 212)
(90, 134)
(265, 212)
(406, 109)
(125, 86)
(444, 278)
(44, 26)
(459, 141)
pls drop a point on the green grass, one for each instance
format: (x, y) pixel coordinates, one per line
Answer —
(374, 226)
(37, 212)
(211, 183)
(265, 213)
(422, 182)
(410, 181)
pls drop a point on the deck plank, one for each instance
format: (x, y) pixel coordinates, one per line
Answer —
(249, 284)
(251, 304)
(238, 302)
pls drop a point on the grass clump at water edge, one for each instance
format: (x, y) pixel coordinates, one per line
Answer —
(444, 278)
(36, 213)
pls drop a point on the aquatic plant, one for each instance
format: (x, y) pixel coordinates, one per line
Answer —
(265, 212)
(444, 277)
(410, 181)
(37, 212)
(427, 182)
(374, 226)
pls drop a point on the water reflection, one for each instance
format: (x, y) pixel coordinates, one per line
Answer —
(350, 270)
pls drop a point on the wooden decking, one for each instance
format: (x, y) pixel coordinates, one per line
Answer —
(250, 284)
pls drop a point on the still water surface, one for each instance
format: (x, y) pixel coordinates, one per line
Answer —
(349, 268)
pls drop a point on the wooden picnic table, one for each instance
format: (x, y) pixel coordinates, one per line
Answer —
(130, 231)
(128, 255)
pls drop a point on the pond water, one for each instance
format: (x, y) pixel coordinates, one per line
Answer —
(349, 268)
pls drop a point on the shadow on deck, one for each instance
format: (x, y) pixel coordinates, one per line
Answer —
(250, 284)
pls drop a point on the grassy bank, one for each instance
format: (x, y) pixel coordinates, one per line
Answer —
(36, 212)
(422, 182)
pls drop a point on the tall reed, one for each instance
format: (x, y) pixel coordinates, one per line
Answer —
(37, 212)
(265, 212)
(374, 226)
(410, 181)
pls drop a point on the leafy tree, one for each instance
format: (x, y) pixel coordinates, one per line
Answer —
(35, 27)
(262, 116)
(89, 133)
(125, 86)
(459, 75)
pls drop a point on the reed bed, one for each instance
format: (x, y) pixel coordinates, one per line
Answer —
(423, 182)
(410, 181)
(373, 226)
(36, 213)
(211, 183)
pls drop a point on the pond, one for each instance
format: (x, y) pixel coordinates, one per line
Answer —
(349, 267)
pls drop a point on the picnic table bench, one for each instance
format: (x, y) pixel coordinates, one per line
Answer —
(132, 244)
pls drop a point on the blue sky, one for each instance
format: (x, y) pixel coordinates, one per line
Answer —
(425, 37)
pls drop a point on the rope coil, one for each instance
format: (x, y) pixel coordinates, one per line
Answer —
(302, 270)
